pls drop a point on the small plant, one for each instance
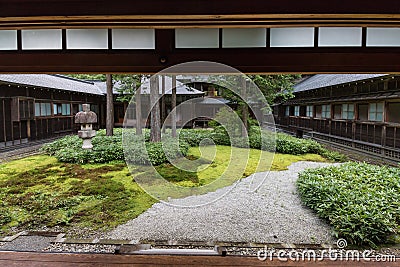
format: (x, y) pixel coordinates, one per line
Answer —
(138, 152)
(360, 201)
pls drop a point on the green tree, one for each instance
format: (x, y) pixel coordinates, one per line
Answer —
(275, 88)
(89, 77)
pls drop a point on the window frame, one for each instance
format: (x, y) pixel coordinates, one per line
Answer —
(346, 111)
(375, 112)
(39, 108)
(326, 111)
(296, 111)
(310, 111)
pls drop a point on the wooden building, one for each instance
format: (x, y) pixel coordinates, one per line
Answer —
(357, 111)
(40, 106)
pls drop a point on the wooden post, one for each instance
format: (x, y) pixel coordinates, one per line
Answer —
(4, 123)
(245, 111)
(173, 106)
(155, 127)
(163, 102)
(138, 111)
(383, 134)
(109, 107)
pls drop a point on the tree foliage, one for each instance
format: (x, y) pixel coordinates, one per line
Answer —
(127, 85)
(89, 77)
(275, 88)
(124, 84)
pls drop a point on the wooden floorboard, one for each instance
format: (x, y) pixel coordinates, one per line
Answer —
(31, 259)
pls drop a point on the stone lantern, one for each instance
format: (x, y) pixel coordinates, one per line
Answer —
(86, 118)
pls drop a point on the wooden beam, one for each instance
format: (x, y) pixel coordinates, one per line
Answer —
(287, 60)
(13, 8)
(194, 13)
(68, 259)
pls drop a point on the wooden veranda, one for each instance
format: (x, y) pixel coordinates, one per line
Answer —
(26, 259)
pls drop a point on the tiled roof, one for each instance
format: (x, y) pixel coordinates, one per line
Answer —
(53, 82)
(103, 86)
(214, 101)
(324, 80)
(181, 88)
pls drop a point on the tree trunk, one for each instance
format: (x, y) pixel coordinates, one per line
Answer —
(173, 106)
(138, 99)
(245, 108)
(110, 106)
(163, 102)
(155, 123)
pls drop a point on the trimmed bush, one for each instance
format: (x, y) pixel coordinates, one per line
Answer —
(194, 136)
(109, 148)
(287, 144)
(333, 155)
(69, 149)
(361, 201)
(261, 139)
(220, 136)
(71, 141)
(157, 153)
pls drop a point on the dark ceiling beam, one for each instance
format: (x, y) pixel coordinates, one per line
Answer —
(189, 13)
(27, 8)
(248, 61)
(169, 14)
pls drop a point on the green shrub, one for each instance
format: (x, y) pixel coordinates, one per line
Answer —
(333, 155)
(361, 201)
(194, 136)
(240, 142)
(69, 149)
(116, 132)
(229, 119)
(287, 144)
(71, 141)
(109, 148)
(157, 153)
(262, 139)
(220, 136)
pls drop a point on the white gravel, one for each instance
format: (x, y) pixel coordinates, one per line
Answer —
(80, 248)
(273, 214)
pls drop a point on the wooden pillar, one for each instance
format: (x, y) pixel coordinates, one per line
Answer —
(12, 131)
(138, 108)
(20, 130)
(163, 115)
(155, 131)
(109, 106)
(173, 106)
(28, 129)
(330, 120)
(245, 111)
(4, 122)
(383, 136)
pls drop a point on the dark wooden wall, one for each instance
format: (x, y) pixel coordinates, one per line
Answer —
(17, 128)
(379, 137)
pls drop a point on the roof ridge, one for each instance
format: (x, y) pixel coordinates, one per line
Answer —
(72, 78)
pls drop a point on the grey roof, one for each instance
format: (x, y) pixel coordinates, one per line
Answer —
(103, 86)
(324, 80)
(53, 82)
(214, 101)
(181, 88)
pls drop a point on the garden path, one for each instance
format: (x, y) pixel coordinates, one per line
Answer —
(272, 214)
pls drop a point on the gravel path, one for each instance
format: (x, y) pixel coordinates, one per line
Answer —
(28, 243)
(273, 214)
